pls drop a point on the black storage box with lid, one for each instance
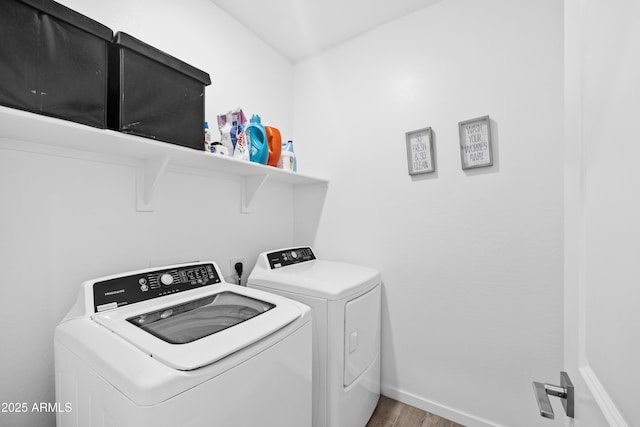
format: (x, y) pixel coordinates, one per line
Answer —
(53, 61)
(155, 95)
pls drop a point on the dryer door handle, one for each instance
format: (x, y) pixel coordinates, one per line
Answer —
(353, 341)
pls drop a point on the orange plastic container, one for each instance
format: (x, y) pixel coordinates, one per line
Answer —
(274, 140)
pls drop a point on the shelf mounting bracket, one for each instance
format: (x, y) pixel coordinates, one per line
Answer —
(252, 185)
(147, 175)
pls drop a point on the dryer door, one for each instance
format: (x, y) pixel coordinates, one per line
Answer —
(361, 334)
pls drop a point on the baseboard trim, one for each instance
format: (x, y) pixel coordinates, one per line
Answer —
(602, 398)
(436, 408)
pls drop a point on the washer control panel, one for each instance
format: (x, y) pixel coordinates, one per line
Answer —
(285, 257)
(125, 290)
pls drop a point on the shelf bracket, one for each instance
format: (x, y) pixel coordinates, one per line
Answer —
(147, 175)
(252, 185)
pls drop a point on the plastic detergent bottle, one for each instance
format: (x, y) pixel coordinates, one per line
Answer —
(288, 157)
(275, 145)
(257, 140)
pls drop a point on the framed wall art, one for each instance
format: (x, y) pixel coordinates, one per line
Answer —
(420, 151)
(475, 143)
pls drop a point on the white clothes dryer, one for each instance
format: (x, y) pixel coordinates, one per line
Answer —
(345, 300)
(177, 346)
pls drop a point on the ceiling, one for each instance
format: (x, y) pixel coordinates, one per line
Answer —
(301, 28)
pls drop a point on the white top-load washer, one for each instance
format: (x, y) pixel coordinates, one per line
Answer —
(345, 300)
(177, 346)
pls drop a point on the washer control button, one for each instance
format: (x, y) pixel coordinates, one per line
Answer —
(166, 279)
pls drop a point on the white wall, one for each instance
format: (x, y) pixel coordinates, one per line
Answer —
(64, 220)
(471, 261)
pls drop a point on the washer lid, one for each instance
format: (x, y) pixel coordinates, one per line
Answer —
(329, 280)
(199, 327)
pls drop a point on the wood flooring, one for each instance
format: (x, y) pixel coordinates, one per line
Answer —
(391, 413)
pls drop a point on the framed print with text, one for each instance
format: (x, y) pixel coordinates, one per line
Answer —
(420, 151)
(475, 143)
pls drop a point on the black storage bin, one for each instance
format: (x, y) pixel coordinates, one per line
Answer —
(53, 61)
(155, 95)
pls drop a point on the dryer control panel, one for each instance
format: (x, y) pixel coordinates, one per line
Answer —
(285, 257)
(149, 284)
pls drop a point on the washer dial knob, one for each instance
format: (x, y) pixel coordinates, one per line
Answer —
(166, 279)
